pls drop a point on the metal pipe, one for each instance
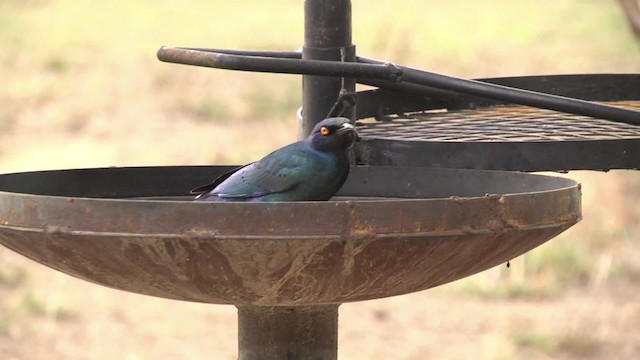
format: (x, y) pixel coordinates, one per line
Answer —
(513, 95)
(282, 332)
(322, 81)
(327, 36)
(277, 62)
(262, 53)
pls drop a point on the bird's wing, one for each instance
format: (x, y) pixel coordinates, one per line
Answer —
(277, 172)
(212, 185)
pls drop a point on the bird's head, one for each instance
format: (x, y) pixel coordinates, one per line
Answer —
(333, 134)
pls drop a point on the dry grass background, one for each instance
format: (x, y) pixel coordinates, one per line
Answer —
(81, 87)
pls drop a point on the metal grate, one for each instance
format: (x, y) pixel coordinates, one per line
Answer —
(499, 124)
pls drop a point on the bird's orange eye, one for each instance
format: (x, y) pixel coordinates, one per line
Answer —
(324, 130)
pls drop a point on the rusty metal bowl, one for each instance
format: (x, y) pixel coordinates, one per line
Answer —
(389, 231)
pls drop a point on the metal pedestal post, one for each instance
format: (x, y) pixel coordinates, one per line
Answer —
(327, 36)
(291, 333)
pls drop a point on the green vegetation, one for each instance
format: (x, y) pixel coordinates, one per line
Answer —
(33, 304)
(578, 345)
(540, 342)
(507, 291)
(12, 277)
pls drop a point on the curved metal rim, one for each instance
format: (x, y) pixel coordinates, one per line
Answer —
(300, 220)
(13, 184)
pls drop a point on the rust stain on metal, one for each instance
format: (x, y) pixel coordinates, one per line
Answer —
(513, 224)
(457, 200)
(495, 225)
(56, 230)
(466, 229)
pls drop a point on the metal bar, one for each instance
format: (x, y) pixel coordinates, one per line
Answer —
(390, 76)
(327, 37)
(601, 155)
(261, 53)
(271, 64)
(402, 97)
(294, 333)
(517, 96)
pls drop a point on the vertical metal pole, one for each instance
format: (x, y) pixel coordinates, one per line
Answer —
(305, 332)
(288, 333)
(327, 36)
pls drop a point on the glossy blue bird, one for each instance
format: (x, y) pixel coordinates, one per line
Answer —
(311, 169)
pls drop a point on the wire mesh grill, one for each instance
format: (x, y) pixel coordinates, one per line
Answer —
(499, 124)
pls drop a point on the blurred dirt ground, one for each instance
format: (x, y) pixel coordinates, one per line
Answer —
(81, 87)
